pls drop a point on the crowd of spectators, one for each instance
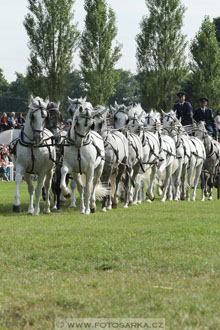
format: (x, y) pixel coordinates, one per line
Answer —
(5, 158)
(11, 121)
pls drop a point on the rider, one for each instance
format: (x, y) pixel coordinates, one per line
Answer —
(183, 109)
(205, 114)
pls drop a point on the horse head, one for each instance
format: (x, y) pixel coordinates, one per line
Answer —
(54, 119)
(37, 116)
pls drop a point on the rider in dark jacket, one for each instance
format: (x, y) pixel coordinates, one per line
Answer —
(205, 114)
(183, 109)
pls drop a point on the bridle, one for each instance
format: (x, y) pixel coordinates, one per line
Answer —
(43, 115)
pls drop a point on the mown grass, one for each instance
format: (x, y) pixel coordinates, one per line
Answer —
(148, 261)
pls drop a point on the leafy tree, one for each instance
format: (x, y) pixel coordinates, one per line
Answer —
(3, 83)
(52, 40)
(74, 87)
(126, 88)
(98, 56)
(205, 64)
(160, 53)
(16, 97)
(216, 21)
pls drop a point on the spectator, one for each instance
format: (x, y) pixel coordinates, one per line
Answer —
(12, 121)
(20, 120)
(4, 121)
(67, 124)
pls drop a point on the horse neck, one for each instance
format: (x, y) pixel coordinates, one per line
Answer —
(27, 129)
(207, 143)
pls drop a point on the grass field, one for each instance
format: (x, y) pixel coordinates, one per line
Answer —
(159, 260)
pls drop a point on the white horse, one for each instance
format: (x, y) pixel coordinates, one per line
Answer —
(116, 158)
(34, 155)
(135, 158)
(196, 153)
(212, 161)
(167, 155)
(173, 128)
(85, 154)
(151, 150)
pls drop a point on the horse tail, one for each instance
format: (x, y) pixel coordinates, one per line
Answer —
(101, 191)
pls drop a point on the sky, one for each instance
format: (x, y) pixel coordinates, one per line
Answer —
(14, 51)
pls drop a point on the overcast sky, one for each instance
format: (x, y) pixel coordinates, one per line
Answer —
(13, 39)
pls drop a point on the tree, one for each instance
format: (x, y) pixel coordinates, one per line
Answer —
(126, 89)
(216, 21)
(160, 53)
(74, 87)
(15, 98)
(52, 40)
(205, 64)
(98, 56)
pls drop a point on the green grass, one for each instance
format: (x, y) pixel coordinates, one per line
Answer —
(159, 260)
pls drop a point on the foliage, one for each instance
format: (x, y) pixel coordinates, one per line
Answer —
(74, 87)
(205, 64)
(3, 83)
(216, 21)
(158, 260)
(52, 40)
(126, 88)
(15, 95)
(98, 56)
(160, 53)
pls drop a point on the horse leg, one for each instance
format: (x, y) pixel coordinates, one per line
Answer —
(73, 197)
(63, 186)
(202, 187)
(47, 191)
(150, 191)
(96, 177)
(88, 188)
(38, 190)
(105, 179)
(137, 181)
(167, 182)
(116, 180)
(18, 179)
(31, 193)
(211, 184)
(177, 176)
(196, 181)
(77, 178)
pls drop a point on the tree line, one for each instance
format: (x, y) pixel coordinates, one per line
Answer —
(166, 63)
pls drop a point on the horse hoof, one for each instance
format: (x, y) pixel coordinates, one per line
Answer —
(17, 208)
(125, 206)
(72, 206)
(114, 206)
(59, 210)
(68, 195)
(104, 209)
(93, 210)
(30, 212)
(148, 201)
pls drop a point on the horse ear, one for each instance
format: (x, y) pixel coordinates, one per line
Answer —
(32, 98)
(69, 99)
(47, 100)
(58, 104)
(84, 100)
(163, 112)
(112, 108)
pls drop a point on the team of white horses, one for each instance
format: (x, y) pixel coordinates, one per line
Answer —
(141, 150)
